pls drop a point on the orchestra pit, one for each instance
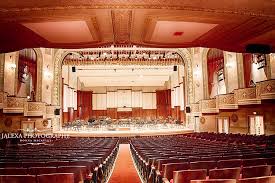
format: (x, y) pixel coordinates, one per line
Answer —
(104, 91)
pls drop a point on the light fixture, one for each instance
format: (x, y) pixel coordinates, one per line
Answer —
(13, 66)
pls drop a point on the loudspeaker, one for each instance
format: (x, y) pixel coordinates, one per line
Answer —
(258, 48)
(175, 68)
(57, 112)
(187, 109)
(73, 69)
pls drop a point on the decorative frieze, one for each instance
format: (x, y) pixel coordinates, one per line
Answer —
(50, 111)
(226, 101)
(246, 96)
(14, 104)
(34, 109)
(209, 106)
(266, 89)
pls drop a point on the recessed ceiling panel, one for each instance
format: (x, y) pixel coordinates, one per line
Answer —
(62, 31)
(178, 32)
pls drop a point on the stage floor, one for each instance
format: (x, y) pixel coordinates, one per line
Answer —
(123, 132)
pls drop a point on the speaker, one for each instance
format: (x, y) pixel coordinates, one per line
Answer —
(57, 112)
(187, 109)
(73, 69)
(258, 48)
(175, 68)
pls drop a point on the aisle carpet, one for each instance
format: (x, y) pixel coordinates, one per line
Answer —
(124, 170)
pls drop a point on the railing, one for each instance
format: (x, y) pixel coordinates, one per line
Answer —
(35, 109)
(246, 96)
(13, 104)
(266, 89)
(226, 101)
(209, 106)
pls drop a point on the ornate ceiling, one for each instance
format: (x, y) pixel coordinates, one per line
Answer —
(229, 25)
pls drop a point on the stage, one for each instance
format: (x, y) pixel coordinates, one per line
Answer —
(123, 132)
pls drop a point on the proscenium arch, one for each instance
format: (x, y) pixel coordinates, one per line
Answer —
(61, 54)
(39, 60)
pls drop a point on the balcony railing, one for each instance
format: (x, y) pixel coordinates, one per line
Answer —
(195, 108)
(266, 89)
(13, 104)
(35, 109)
(50, 111)
(246, 96)
(2, 98)
(226, 101)
(209, 106)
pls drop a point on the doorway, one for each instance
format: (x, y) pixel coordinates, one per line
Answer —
(223, 124)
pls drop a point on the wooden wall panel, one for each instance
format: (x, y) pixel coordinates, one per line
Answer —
(71, 116)
(84, 104)
(98, 113)
(137, 112)
(163, 103)
(65, 117)
(112, 113)
(124, 114)
(149, 113)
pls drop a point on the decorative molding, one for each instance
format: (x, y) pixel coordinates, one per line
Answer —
(226, 101)
(13, 104)
(266, 89)
(246, 96)
(209, 106)
(121, 25)
(35, 109)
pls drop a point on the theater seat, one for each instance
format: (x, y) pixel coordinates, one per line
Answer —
(203, 165)
(17, 179)
(33, 164)
(170, 167)
(256, 171)
(215, 181)
(42, 170)
(13, 171)
(232, 163)
(56, 178)
(254, 162)
(267, 179)
(78, 171)
(185, 176)
(225, 173)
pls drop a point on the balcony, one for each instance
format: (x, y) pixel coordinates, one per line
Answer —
(246, 96)
(209, 106)
(13, 104)
(266, 89)
(226, 101)
(35, 109)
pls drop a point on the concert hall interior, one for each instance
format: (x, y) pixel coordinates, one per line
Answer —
(104, 91)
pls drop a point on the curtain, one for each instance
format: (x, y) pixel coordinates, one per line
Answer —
(247, 62)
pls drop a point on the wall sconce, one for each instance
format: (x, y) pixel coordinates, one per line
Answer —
(12, 66)
(47, 72)
(229, 64)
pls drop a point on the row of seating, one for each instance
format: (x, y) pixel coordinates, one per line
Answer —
(88, 159)
(158, 157)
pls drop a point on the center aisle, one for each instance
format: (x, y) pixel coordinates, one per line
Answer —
(124, 170)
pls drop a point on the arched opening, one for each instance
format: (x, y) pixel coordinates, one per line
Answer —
(215, 71)
(185, 59)
(27, 74)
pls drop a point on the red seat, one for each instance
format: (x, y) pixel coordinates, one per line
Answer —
(57, 163)
(232, 163)
(79, 172)
(56, 178)
(170, 167)
(215, 181)
(256, 171)
(33, 164)
(225, 173)
(185, 176)
(254, 162)
(17, 179)
(42, 170)
(13, 171)
(267, 179)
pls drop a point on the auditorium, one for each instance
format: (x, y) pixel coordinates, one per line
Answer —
(136, 91)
